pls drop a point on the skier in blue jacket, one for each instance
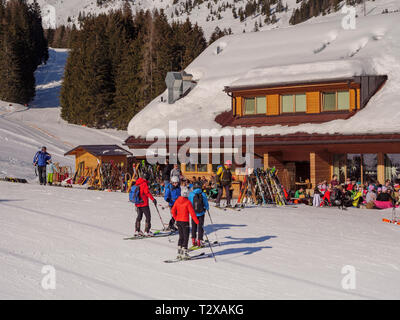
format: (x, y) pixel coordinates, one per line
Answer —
(41, 159)
(200, 205)
(172, 192)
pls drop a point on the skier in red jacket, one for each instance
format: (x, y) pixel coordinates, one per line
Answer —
(180, 211)
(143, 208)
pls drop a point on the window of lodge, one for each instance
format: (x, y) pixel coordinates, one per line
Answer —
(392, 167)
(293, 103)
(255, 105)
(336, 101)
(357, 167)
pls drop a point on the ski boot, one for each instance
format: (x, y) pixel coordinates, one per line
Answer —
(148, 234)
(200, 243)
(185, 254)
(194, 243)
(180, 253)
(138, 233)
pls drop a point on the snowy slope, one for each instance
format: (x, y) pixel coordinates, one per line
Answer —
(23, 130)
(310, 51)
(296, 253)
(69, 10)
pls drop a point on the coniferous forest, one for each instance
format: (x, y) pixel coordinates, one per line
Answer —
(23, 48)
(118, 63)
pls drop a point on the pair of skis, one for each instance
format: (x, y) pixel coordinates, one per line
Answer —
(156, 234)
(201, 255)
(226, 208)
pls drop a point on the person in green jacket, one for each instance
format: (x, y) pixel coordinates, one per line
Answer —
(357, 195)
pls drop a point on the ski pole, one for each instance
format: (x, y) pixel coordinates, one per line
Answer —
(216, 237)
(209, 244)
(162, 222)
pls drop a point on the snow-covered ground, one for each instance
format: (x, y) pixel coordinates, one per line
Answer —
(296, 253)
(23, 130)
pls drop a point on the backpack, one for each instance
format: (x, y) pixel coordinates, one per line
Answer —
(134, 195)
(198, 203)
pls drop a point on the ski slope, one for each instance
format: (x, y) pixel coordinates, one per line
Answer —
(295, 253)
(24, 129)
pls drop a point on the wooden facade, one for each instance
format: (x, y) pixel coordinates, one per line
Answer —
(357, 92)
(90, 157)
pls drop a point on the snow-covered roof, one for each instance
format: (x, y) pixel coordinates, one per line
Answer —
(304, 52)
(101, 150)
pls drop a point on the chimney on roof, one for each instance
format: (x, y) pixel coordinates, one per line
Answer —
(179, 84)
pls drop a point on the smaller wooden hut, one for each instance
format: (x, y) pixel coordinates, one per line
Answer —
(90, 161)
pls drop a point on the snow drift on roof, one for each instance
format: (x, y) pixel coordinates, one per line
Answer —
(302, 52)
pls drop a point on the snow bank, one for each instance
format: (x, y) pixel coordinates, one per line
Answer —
(306, 51)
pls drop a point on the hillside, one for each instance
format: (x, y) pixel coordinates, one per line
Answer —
(23, 130)
(223, 14)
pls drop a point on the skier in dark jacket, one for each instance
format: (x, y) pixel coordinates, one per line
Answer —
(166, 173)
(172, 192)
(143, 208)
(41, 159)
(224, 181)
(194, 197)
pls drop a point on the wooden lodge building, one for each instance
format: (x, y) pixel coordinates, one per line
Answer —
(307, 159)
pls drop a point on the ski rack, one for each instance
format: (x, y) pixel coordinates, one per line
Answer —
(261, 188)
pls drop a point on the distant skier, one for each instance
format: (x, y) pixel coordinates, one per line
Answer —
(181, 211)
(176, 172)
(171, 194)
(41, 159)
(50, 168)
(224, 181)
(200, 204)
(143, 207)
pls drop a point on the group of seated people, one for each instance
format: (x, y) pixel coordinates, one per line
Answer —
(369, 195)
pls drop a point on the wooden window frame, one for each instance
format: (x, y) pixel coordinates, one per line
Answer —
(294, 103)
(336, 101)
(255, 106)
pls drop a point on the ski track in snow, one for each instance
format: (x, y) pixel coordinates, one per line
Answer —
(265, 253)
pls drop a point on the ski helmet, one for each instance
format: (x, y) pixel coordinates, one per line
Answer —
(174, 179)
(185, 192)
(228, 162)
